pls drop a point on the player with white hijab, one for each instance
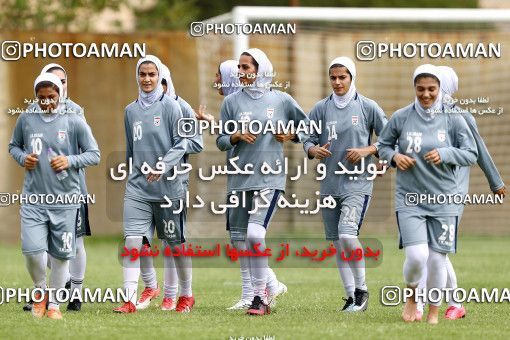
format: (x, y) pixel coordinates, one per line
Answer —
(348, 120)
(450, 85)
(227, 82)
(77, 265)
(53, 147)
(155, 147)
(172, 279)
(256, 101)
(431, 148)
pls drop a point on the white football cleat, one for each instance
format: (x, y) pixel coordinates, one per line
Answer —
(241, 304)
(282, 289)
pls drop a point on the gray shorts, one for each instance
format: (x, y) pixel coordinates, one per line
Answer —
(140, 217)
(50, 230)
(439, 232)
(82, 221)
(347, 217)
(239, 217)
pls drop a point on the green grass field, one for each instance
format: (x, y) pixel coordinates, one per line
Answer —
(309, 310)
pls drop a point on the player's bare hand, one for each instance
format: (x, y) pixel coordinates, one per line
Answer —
(319, 152)
(403, 162)
(31, 161)
(246, 137)
(354, 155)
(153, 177)
(433, 156)
(201, 114)
(59, 163)
(282, 137)
(382, 167)
(501, 192)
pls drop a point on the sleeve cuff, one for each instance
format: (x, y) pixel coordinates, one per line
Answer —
(443, 154)
(497, 187)
(307, 147)
(70, 161)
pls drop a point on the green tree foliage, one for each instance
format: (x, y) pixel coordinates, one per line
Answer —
(167, 14)
(54, 15)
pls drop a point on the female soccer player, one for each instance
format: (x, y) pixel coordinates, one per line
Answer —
(353, 117)
(256, 102)
(450, 85)
(155, 147)
(78, 264)
(432, 146)
(227, 82)
(194, 145)
(53, 147)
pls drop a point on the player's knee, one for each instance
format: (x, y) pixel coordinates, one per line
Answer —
(133, 242)
(436, 260)
(416, 256)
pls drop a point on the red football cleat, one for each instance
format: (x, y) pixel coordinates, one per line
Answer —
(39, 308)
(126, 308)
(258, 307)
(185, 304)
(147, 295)
(454, 313)
(168, 304)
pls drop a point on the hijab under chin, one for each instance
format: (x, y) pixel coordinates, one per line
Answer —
(49, 77)
(344, 100)
(146, 99)
(437, 106)
(264, 74)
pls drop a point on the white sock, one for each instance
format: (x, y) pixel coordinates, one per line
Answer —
(345, 271)
(348, 243)
(47, 260)
(272, 282)
(436, 273)
(451, 282)
(77, 266)
(258, 265)
(36, 266)
(171, 282)
(415, 263)
(244, 263)
(148, 272)
(422, 286)
(131, 269)
(59, 271)
(184, 273)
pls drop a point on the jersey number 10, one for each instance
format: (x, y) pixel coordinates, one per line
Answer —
(36, 144)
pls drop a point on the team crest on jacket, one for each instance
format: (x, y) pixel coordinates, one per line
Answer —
(61, 136)
(157, 121)
(441, 135)
(270, 113)
(355, 120)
